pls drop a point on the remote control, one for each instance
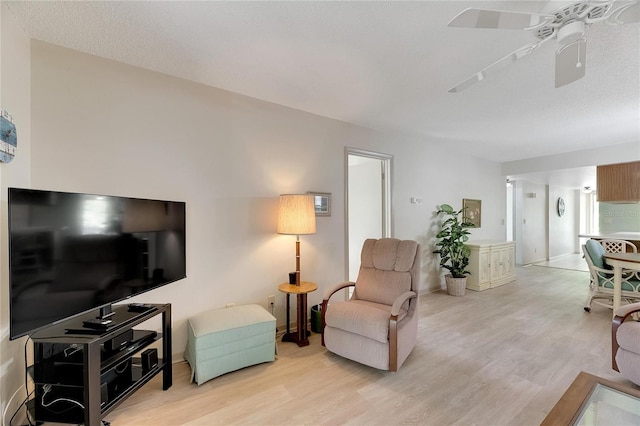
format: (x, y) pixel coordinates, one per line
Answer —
(138, 307)
(97, 323)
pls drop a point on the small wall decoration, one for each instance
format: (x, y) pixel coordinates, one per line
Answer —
(8, 137)
(472, 211)
(321, 203)
(560, 207)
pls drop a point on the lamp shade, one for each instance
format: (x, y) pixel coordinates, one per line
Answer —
(296, 215)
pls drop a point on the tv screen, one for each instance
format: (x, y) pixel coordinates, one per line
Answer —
(70, 253)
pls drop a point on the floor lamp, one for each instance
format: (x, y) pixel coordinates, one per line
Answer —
(296, 216)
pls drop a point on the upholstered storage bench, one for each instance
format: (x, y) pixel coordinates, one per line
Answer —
(228, 339)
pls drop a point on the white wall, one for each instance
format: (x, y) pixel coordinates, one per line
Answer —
(533, 222)
(529, 235)
(620, 153)
(563, 230)
(541, 233)
(15, 98)
(104, 127)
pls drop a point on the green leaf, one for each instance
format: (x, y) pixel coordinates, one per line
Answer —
(446, 208)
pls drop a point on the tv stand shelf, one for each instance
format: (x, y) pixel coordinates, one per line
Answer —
(80, 375)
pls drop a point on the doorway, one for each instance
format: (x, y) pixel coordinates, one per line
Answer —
(368, 202)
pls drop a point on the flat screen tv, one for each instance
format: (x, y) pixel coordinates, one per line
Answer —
(70, 253)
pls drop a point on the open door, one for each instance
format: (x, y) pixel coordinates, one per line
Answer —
(368, 203)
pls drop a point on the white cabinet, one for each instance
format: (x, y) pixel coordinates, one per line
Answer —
(491, 263)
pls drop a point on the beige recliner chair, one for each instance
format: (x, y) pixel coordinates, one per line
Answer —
(625, 343)
(378, 325)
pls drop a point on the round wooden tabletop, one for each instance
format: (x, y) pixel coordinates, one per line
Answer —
(304, 287)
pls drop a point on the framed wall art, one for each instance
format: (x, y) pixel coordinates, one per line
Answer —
(472, 211)
(321, 203)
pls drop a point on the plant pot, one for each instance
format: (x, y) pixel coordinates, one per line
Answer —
(455, 286)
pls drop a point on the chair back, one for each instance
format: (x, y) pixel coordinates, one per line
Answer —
(389, 267)
(602, 274)
(596, 252)
(595, 278)
(618, 246)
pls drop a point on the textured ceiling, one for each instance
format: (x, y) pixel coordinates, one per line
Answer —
(383, 65)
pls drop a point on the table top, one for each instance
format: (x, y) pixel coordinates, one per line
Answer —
(633, 236)
(303, 288)
(590, 396)
(626, 257)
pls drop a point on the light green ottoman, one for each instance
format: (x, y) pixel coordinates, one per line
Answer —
(224, 340)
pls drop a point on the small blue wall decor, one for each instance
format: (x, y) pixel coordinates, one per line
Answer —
(8, 137)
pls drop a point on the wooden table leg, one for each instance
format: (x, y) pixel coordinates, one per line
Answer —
(301, 335)
(302, 320)
(288, 319)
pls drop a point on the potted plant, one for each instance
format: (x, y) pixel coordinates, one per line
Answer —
(454, 254)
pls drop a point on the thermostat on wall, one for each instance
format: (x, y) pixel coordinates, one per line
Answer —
(8, 137)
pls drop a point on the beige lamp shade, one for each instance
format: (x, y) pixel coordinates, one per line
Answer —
(296, 214)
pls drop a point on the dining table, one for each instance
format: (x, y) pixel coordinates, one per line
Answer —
(620, 261)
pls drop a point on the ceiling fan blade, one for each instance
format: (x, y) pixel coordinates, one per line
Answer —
(571, 61)
(497, 19)
(628, 13)
(497, 65)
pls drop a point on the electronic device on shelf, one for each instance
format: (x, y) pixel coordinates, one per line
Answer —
(81, 379)
(118, 342)
(73, 253)
(98, 323)
(139, 307)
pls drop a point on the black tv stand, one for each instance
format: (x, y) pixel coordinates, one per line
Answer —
(84, 365)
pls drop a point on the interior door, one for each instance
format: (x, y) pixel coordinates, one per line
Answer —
(368, 204)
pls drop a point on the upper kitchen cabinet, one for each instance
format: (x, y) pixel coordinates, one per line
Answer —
(619, 183)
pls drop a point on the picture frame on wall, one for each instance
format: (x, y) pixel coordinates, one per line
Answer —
(472, 211)
(321, 203)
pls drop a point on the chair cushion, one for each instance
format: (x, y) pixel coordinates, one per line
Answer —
(385, 270)
(596, 253)
(628, 336)
(231, 324)
(380, 286)
(388, 254)
(367, 319)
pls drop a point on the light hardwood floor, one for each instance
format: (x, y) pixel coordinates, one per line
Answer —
(499, 357)
(572, 261)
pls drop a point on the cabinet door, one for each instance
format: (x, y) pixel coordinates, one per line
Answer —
(502, 263)
(484, 268)
(509, 260)
(496, 265)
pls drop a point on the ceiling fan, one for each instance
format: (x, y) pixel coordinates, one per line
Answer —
(566, 24)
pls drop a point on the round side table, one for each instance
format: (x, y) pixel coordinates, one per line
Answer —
(301, 335)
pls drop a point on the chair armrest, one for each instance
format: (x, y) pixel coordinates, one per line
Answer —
(330, 292)
(397, 304)
(325, 302)
(620, 316)
(625, 310)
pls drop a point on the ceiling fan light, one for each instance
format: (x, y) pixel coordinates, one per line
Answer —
(571, 32)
